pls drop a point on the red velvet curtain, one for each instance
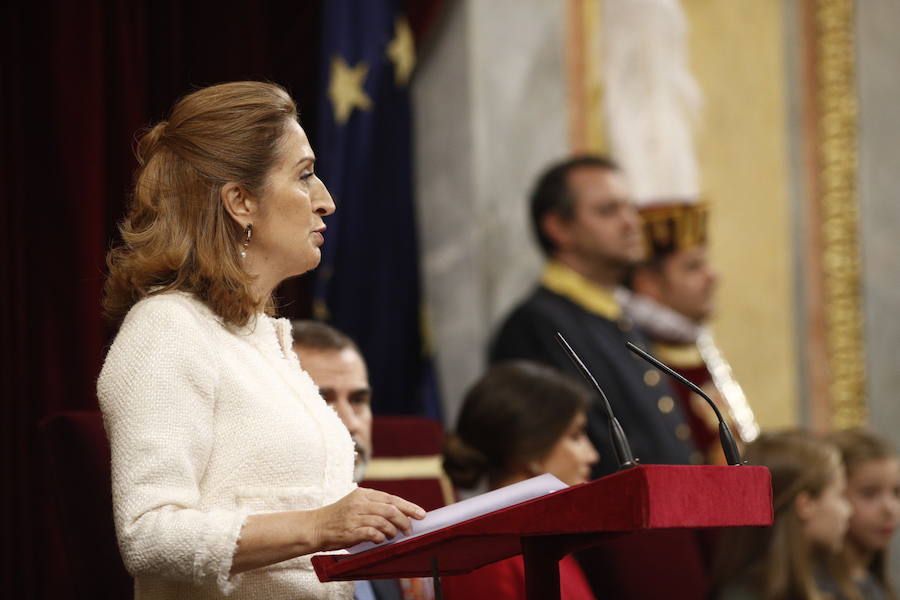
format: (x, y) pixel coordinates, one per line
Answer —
(77, 81)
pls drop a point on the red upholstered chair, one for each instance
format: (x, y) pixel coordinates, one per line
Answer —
(77, 466)
(407, 461)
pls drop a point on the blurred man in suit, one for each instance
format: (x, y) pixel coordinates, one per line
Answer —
(590, 232)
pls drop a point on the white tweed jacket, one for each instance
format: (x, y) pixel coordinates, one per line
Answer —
(208, 424)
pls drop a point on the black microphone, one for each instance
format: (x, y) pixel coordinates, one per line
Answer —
(732, 455)
(616, 433)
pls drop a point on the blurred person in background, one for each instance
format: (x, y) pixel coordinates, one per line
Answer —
(671, 299)
(337, 367)
(786, 561)
(860, 570)
(590, 231)
(518, 421)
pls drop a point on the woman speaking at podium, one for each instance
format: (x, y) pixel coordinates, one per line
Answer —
(228, 468)
(520, 420)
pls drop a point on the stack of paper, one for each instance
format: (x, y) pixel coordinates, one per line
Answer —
(475, 507)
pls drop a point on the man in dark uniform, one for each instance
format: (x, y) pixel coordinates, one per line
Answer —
(673, 298)
(590, 232)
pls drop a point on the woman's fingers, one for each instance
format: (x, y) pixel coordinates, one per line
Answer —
(370, 534)
(364, 515)
(383, 525)
(391, 514)
(406, 507)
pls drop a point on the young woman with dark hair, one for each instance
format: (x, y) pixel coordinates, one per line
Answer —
(520, 420)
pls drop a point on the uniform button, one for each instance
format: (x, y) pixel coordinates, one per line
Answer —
(651, 377)
(697, 458)
(683, 431)
(666, 404)
(625, 325)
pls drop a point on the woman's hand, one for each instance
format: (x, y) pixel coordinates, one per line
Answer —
(363, 515)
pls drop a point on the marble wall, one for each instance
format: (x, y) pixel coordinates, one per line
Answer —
(490, 114)
(878, 61)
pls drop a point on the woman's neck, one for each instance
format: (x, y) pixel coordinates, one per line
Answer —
(857, 559)
(507, 479)
(265, 278)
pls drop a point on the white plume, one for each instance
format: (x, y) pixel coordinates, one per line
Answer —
(651, 100)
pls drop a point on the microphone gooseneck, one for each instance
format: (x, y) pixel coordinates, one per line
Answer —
(732, 454)
(624, 456)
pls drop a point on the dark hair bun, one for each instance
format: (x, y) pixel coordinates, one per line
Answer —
(463, 464)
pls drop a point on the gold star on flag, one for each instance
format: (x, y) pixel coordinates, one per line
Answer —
(346, 88)
(402, 51)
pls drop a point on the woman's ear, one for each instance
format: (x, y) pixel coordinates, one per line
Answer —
(804, 506)
(240, 204)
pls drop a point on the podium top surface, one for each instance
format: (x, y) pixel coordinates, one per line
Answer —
(643, 498)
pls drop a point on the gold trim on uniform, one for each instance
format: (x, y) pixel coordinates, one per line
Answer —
(679, 355)
(562, 280)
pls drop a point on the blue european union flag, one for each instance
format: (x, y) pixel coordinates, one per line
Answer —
(368, 284)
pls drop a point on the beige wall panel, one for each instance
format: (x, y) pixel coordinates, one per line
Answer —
(737, 55)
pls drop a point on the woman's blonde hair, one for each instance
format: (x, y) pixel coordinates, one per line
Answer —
(177, 234)
(776, 563)
(857, 446)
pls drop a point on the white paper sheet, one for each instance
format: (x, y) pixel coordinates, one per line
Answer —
(474, 507)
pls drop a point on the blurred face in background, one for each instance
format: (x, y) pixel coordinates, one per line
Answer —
(571, 457)
(873, 490)
(685, 281)
(604, 230)
(343, 381)
(825, 517)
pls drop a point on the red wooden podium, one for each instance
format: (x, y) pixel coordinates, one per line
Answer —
(547, 528)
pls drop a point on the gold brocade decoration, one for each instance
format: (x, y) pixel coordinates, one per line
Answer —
(584, 65)
(674, 227)
(836, 125)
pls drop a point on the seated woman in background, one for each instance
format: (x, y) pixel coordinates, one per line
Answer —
(873, 489)
(785, 561)
(519, 421)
